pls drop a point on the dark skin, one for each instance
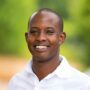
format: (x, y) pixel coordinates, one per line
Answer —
(43, 39)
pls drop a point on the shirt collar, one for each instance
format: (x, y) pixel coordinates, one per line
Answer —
(62, 71)
(29, 67)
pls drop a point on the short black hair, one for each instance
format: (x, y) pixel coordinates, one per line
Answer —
(54, 12)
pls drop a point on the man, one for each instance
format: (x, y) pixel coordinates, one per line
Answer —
(47, 70)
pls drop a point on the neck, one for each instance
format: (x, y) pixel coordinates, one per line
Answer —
(43, 69)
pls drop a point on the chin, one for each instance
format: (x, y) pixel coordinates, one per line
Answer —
(41, 59)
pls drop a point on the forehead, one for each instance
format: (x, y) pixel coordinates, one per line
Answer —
(44, 17)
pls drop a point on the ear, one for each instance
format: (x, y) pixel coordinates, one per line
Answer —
(26, 36)
(62, 37)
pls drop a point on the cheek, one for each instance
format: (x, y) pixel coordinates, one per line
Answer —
(54, 46)
(30, 40)
(55, 41)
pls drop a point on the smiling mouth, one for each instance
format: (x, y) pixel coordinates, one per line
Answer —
(41, 48)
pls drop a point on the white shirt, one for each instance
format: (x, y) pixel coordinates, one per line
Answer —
(64, 77)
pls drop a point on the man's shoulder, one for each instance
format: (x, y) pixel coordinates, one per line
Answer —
(72, 72)
(18, 79)
(80, 76)
(79, 79)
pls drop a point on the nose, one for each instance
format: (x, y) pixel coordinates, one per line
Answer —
(41, 37)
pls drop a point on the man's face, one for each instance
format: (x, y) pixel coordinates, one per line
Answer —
(44, 37)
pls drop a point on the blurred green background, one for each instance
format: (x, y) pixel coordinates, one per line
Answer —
(14, 15)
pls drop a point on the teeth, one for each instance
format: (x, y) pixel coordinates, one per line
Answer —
(40, 47)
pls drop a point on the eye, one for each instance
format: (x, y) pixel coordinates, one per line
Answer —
(50, 31)
(34, 31)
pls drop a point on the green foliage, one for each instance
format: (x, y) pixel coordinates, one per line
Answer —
(57, 5)
(14, 16)
(84, 33)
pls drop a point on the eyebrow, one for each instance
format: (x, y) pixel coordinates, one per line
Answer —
(34, 28)
(52, 28)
